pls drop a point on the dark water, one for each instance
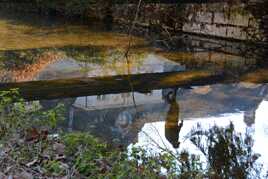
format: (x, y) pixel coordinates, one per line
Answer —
(45, 49)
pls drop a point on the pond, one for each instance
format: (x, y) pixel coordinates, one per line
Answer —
(144, 104)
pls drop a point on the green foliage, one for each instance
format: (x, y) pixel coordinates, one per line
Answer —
(24, 130)
(94, 159)
(16, 116)
(54, 168)
(73, 141)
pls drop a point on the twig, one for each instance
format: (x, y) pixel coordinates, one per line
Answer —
(128, 50)
(163, 149)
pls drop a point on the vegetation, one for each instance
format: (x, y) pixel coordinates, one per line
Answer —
(31, 146)
(71, 7)
(81, 8)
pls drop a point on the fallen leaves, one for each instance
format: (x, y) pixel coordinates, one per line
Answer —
(35, 135)
(33, 155)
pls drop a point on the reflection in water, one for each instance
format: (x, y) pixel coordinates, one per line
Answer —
(155, 123)
(227, 153)
(249, 117)
(73, 62)
(221, 152)
(114, 116)
(172, 128)
(68, 51)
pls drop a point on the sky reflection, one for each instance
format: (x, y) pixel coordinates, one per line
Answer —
(152, 135)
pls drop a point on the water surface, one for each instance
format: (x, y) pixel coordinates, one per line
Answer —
(44, 49)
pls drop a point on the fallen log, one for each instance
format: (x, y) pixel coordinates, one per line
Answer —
(52, 89)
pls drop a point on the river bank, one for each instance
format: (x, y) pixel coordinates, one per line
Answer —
(94, 112)
(244, 21)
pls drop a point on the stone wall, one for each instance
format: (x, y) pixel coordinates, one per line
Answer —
(232, 21)
(223, 20)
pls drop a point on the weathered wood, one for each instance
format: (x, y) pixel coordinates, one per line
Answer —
(108, 85)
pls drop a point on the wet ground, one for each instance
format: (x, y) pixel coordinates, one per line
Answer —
(35, 49)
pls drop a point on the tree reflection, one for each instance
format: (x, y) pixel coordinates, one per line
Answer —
(229, 154)
(172, 126)
(249, 117)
